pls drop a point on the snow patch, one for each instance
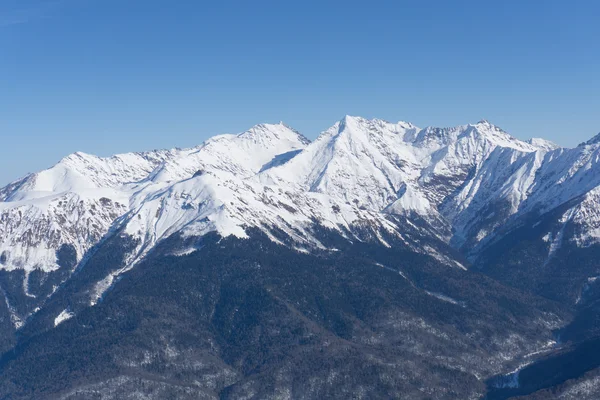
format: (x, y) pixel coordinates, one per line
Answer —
(62, 317)
(100, 288)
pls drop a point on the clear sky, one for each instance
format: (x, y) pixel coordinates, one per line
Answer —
(108, 76)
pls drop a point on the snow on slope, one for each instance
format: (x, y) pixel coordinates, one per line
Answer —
(76, 201)
(564, 175)
(369, 163)
(585, 218)
(241, 155)
(80, 171)
(366, 179)
(466, 182)
(548, 179)
(31, 231)
(207, 203)
(275, 195)
(543, 144)
(445, 175)
(72, 203)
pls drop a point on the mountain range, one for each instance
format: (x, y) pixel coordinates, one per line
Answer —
(381, 260)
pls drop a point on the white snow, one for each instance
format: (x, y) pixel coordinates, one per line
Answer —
(463, 182)
(100, 288)
(543, 144)
(445, 298)
(63, 316)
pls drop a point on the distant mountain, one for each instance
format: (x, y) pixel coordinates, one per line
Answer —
(379, 239)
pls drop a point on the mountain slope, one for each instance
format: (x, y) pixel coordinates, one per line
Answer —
(78, 202)
(250, 318)
(463, 185)
(450, 199)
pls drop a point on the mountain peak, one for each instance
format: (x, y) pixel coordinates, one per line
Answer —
(374, 125)
(500, 137)
(484, 123)
(594, 140)
(279, 131)
(349, 121)
(352, 118)
(77, 156)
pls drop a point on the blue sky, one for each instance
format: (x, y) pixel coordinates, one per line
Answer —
(108, 76)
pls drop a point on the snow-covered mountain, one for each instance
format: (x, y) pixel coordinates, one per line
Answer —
(463, 186)
(448, 254)
(76, 201)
